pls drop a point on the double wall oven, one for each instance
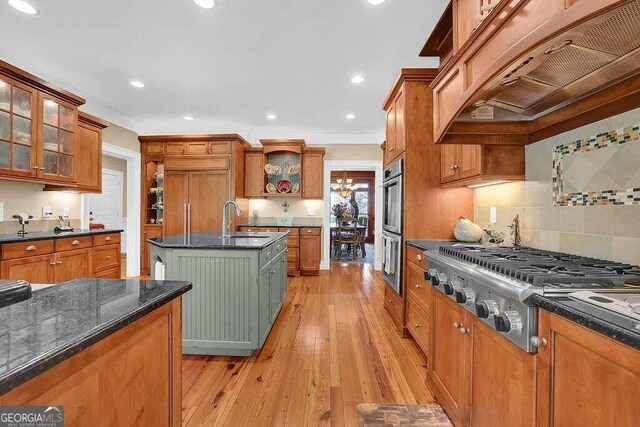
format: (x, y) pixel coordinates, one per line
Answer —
(392, 225)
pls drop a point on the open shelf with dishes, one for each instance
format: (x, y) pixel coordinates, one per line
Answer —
(282, 174)
(154, 192)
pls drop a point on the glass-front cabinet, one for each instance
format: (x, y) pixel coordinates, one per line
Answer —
(56, 155)
(17, 129)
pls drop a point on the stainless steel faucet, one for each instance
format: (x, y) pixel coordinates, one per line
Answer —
(226, 224)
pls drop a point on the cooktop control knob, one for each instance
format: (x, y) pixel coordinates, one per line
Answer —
(448, 288)
(463, 295)
(508, 322)
(486, 308)
(438, 279)
(429, 274)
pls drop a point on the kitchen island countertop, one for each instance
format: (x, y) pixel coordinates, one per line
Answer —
(45, 235)
(215, 241)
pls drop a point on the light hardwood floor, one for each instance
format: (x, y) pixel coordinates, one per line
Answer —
(333, 346)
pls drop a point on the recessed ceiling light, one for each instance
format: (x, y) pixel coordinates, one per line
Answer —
(189, 118)
(137, 83)
(23, 7)
(205, 4)
(376, 2)
(350, 116)
(271, 116)
(357, 79)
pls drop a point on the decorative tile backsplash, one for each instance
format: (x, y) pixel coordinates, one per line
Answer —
(599, 170)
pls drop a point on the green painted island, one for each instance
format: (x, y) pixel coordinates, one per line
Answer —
(239, 283)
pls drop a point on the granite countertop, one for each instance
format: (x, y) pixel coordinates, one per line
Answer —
(215, 241)
(619, 328)
(296, 223)
(59, 321)
(430, 244)
(44, 235)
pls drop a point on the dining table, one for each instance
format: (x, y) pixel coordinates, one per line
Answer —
(361, 229)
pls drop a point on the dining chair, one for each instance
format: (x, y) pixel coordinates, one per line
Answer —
(350, 236)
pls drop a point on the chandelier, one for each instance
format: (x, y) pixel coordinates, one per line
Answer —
(344, 186)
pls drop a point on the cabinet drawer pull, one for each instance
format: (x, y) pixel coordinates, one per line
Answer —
(418, 286)
(390, 301)
(308, 231)
(108, 257)
(457, 325)
(464, 331)
(75, 243)
(273, 272)
(35, 167)
(452, 168)
(59, 262)
(419, 257)
(417, 325)
(108, 239)
(52, 263)
(31, 248)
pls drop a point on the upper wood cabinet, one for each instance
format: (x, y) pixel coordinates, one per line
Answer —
(40, 132)
(481, 164)
(307, 182)
(516, 72)
(585, 378)
(89, 153)
(395, 129)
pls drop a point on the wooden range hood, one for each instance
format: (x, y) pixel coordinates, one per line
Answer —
(535, 69)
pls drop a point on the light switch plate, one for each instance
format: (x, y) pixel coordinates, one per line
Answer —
(311, 212)
(1, 211)
(493, 215)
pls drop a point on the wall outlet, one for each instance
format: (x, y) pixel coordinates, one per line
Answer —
(1, 211)
(311, 212)
(47, 212)
(493, 215)
(65, 211)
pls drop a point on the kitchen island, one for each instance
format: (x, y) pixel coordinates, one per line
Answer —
(239, 284)
(108, 351)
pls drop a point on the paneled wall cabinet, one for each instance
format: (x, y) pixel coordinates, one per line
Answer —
(58, 260)
(481, 164)
(43, 137)
(284, 168)
(519, 71)
(409, 139)
(186, 179)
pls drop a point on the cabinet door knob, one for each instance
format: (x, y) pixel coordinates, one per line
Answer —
(41, 168)
(418, 286)
(35, 167)
(457, 325)
(308, 231)
(538, 342)
(52, 263)
(464, 331)
(390, 301)
(75, 243)
(273, 272)
(417, 325)
(59, 262)
(452, 168)
(31, 248)
(108, 257)
(419, 257)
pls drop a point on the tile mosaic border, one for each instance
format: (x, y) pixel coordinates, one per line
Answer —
(630, 196)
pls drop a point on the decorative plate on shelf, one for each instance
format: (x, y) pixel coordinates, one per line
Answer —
(268, 169)
(277, 170)
(295, 188)
(271, 188)
(284, 186)
(294, 169)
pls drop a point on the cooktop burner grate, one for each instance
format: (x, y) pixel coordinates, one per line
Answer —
(548, 269)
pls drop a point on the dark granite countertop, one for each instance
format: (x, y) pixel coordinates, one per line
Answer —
(44, 235)
(61, 320)
(619, 328)
(296, 223)
(430, 244)
(215, 241)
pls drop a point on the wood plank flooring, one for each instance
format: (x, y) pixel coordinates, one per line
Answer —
(333, 346)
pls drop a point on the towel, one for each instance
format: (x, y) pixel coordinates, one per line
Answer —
(158, 271)
(387, 258)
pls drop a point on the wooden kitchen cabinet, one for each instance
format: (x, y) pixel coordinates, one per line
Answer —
(584, 378)
(57, 139)
(89, 153)
(149, 232)
(310, 251)
(449, 370)
(61, 259)
(254, 173)
(468, 164)
(395, 128)
(312, 173)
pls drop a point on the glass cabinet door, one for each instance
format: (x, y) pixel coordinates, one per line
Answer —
(17, 129)
(57, 139)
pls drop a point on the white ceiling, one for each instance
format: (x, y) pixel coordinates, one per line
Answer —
(228, 66)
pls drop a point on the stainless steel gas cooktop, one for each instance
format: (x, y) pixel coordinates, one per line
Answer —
(495, 283)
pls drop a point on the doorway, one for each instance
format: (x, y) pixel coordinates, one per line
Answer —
(107, 207)
(366, 199)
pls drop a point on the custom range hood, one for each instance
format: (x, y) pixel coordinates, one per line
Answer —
(580, 65)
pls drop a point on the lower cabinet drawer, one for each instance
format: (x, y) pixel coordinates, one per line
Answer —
(315, 231)
(27, 249)
(393, 303)
(106, 258)
(106, 239)
(418, 324)
(417, 287)
(71, 243)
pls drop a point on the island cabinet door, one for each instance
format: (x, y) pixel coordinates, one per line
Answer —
(449, 361)
(584, 378)
(502, 380)
(264, 286)
(176, 196)
(33, 269)
(208, 192)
